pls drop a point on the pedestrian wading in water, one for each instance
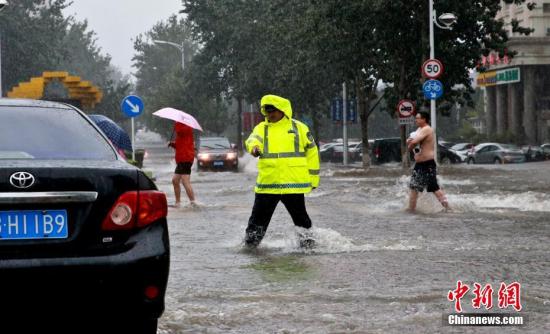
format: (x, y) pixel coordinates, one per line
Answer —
(288, 168)
(424, 174)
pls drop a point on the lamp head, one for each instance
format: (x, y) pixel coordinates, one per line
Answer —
(448, 19)
(3, 4)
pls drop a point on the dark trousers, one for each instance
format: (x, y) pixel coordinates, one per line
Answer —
(264, 206)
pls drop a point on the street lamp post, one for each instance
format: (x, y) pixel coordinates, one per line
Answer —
(180, 47)
(448, 20)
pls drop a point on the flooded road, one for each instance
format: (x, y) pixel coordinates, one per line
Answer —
(376, 269)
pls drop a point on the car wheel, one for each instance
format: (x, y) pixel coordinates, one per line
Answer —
(445, 161)
(470, 161)
(497, 161)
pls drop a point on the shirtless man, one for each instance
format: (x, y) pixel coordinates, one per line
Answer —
(424, 175)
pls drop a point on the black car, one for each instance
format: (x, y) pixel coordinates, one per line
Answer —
(82, 232)
(217, 153)
(446, 156)
(386, 150)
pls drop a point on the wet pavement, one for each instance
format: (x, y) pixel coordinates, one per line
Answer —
(376, 268)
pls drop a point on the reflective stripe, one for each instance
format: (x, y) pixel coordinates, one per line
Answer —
(255, 136)
(283, 155)
(283, 186)
(314, 171)
(266, 142)
(296, 137)
(310, 145)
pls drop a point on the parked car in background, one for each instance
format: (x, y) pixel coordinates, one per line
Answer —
(447, 144)
(546, 150)
(326, 151)
(533, 153)
(386, 150)
(389, 150)
(217, 153)
(83, 232)
(462, 149)
(328, 145)
(334, 152)
(446, 156)
(495, 153)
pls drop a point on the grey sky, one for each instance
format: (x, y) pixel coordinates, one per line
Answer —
(118, 22)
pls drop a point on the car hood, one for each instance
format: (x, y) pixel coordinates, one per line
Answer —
(216, 151)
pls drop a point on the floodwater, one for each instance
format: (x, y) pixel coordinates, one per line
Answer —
(376, 269)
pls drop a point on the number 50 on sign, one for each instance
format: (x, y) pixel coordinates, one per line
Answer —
(432, 69)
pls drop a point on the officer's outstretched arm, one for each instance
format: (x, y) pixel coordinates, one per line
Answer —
(255, 139)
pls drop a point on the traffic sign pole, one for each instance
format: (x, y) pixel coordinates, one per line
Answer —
(433, 120)
(133, 141)
(344, 124)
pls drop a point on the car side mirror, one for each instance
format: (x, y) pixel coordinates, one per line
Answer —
(233, 146)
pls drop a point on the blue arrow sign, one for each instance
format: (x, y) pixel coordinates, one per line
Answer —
(132, 106)
(433, 89)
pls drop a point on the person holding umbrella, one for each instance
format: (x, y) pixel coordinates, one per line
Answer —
(184, 146)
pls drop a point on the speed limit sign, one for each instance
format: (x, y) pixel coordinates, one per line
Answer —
(432, 68)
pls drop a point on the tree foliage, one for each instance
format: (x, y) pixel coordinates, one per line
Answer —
(305, 49)
(163, 83)
(37, 37)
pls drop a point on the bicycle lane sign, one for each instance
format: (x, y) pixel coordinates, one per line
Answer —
(433, 89)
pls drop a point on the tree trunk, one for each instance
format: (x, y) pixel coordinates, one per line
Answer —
(363, 111)
(316, 125)
(240, 124)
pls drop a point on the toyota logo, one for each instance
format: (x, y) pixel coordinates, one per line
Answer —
(21, 180)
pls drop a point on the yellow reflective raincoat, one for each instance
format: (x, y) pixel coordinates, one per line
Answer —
(289, 160)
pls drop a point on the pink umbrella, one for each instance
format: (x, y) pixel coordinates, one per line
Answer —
(178, 116)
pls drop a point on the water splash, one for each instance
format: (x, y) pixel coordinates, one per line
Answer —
(525, 201)
(329, 241)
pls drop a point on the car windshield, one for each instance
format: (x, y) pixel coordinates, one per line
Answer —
(48, 133)
(215, 143)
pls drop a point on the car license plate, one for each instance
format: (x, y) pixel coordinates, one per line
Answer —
(33, 224)
(218, 163)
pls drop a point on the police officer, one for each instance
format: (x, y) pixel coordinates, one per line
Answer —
(288, 168)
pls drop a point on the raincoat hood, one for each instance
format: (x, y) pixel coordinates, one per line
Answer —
(278, 102)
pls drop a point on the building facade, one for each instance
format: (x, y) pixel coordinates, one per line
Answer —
(517, 89)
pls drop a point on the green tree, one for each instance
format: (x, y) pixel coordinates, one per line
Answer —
(163, 83)
(306, 49)
(32, 35)
(37, 37)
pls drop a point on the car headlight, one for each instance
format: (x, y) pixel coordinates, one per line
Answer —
(204, 156)
(231, 155)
